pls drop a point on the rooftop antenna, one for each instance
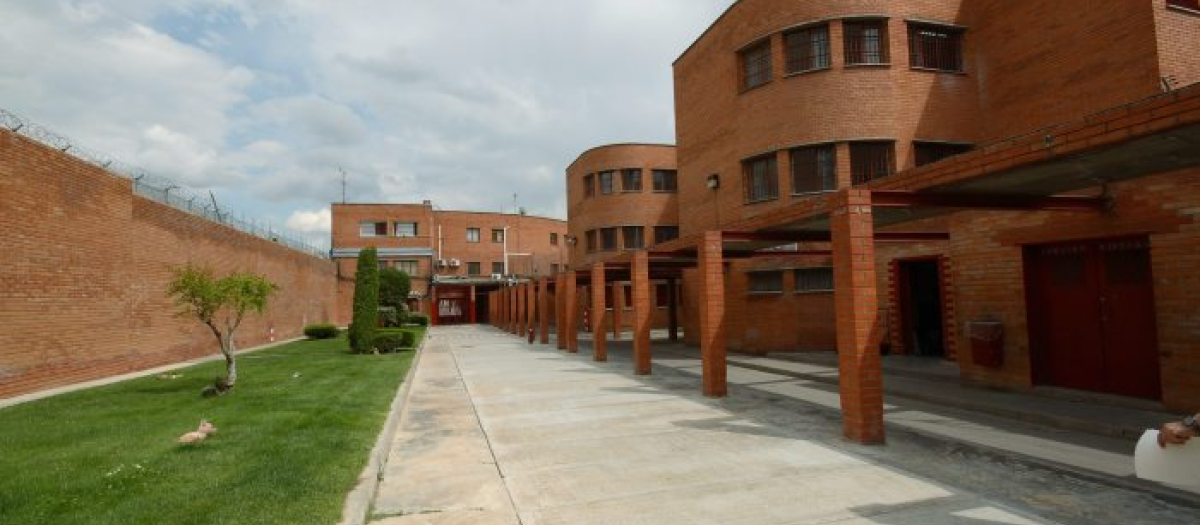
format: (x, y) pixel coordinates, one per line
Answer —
(343, 184)
(514, 203)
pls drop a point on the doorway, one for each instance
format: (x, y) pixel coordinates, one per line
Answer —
(919, 290)
(1091, 316)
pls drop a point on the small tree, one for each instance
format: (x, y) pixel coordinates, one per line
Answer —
(394, 286)
(366, 301)
(221, 304)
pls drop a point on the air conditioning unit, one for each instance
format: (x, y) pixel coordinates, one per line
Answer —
(455, 263)
(497, 276)
(441, 263)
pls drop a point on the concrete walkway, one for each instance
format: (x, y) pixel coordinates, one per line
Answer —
(497, 431)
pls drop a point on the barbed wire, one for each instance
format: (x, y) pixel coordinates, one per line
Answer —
(157, 188)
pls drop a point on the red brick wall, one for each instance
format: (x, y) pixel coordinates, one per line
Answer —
(646, 208)
(1176, 32)
(85, 268)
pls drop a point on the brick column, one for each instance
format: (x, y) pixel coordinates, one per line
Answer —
(531, 312)
(471, 299)
(433, 312)
(599, 341)
(618, 295)
(492, 302)
(522, 309)
(512, 310)
(560, 309)
(712, 314)
(543, 307)
(641, 313)
(572, 313)
(672, 311)
(860, 379)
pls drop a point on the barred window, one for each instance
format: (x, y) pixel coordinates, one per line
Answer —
(930, 152)
(814, 279)
(553, 239)
(813, 169)
(608, 239)
(473, 268)
(665, 233)
(807, 48)
(766, 282)
(634, 238)
(631, 179)
(472, 234)
(665, 180)
(589, 185)
(606, 182)
(871, 160)
(865, 41)
(760, 178)
(498, 267)
(497, 235)
(756, 64)
(591, 240)
(935, 47)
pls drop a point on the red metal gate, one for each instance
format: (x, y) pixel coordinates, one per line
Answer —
(1091, 316)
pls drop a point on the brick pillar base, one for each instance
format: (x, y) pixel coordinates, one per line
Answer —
(543, 310)
(712, 315)
(599, 341)
(641, 313)
(572, 313)
(560, 310)
(618, 300)
(860, 377)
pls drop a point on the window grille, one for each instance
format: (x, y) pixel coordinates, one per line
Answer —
(606, 182)
(761, 178)
(665, 180)
(608, 239)
(935, 47)
(814, 169)
(631, 179)
(871, 160)
(865, 41)
(766, 282)
(553, 239)
(807, 48)
(814, 279)
(756, 65)
(473, 268)
(633, 237)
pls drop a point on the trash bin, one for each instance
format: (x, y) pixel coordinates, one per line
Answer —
(987, 343)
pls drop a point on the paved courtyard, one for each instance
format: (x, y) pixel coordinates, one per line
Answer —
(497, 431)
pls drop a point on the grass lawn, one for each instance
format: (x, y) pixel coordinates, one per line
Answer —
(288, 448)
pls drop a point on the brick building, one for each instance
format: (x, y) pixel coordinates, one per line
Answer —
(1012, 185)
(452, 257)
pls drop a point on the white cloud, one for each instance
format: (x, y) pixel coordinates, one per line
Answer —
(314, 226)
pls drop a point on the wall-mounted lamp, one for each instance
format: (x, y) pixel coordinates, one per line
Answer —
(713, 181)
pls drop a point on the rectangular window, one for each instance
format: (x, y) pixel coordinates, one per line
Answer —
(473, 268)
(766, 282)
(760, 178)
(871, 160)
(498, 267)
(631, 179)
(1193, 5)
(930, 152)
(865, 41)
(406, 229)
(807, 49)
(497, 235)
(608, 239)
(665, 233)
(382, 264)
(553, 239)
(472, 234)
(554, 268)
(590, 235)
(589, 185)
(935, 47)
(372, 229)
(606, 182)
(665, 180)
(408, 267)
(756, 64)
(814, 279)
(813, 169)
(633, 235)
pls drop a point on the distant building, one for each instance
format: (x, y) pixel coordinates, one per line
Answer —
(453, 257)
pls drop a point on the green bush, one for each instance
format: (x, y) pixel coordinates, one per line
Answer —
(393, 316)
(321, 331)
(418, 319)
(394, 286)
(389, 340)
(366, 301)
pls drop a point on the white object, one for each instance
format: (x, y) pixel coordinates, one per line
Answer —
(1177, 465)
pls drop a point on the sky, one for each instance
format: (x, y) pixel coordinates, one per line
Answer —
(267, 102)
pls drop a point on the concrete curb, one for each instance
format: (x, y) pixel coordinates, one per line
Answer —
(357, 508)
(34, 396)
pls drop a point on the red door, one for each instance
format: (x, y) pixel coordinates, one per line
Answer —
(1091, 316)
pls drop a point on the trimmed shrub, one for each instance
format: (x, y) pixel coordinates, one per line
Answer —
(366, 301)
(321, 331)
(394, 286)
(389, 340)
(392, 316)
(418, 319)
